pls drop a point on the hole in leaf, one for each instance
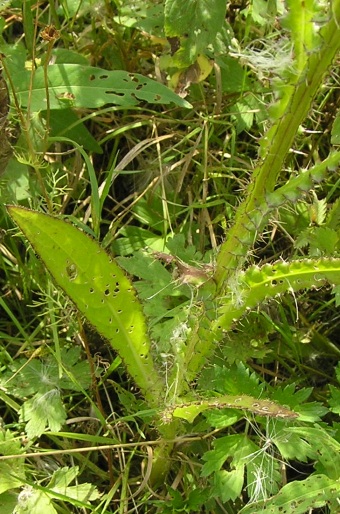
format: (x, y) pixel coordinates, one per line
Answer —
(92, 77)
(71, 271)
(116, 93)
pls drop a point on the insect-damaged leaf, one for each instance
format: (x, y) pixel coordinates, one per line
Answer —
(98, 287)
(75, 85)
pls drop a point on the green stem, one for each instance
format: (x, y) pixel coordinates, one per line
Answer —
(275, 145)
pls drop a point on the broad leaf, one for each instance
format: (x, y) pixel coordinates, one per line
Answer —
(74, 85)
(41, 411)
(99, 288)
(298, 497)
(195, 21)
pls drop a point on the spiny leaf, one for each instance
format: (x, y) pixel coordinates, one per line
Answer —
(298, 497)
(300, 22)
(190, 410)
(98, 287)
(258, 284)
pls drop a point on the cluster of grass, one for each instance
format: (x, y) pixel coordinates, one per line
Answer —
(145, 125)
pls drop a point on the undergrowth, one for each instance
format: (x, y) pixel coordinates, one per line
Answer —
(174, 168)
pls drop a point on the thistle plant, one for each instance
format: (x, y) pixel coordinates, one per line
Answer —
(218, 293)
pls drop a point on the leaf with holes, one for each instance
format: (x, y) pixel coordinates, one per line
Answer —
(299, 497)
(98, 287)
(75, 85)
(326, 448)
(189, 411)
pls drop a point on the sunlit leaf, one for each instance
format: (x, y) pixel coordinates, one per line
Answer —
(74, 85)
(99, 288)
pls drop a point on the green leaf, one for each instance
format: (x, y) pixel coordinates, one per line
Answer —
(292, 446)
(41, 411)
(34, 502)
(300, 22)
(143, 16)
(249, 288)
(224, 447)
(336, 292)
(189, 411)
(228, 484)
(77, 374)
(326, 449)
(179, 248)
(263, 475)
(233, 76)
(311, 412)
(135, 238)
(335, 139)
(81, 492)
(62, 478)
(10, 445)
(235, 379)
(290, 395)
(98, 287)
(323, 241)
(65, 122)
(11, 476)
(197, 22)
(197, 498)
(298, 497)
(333, 216)
(157, 285)
(38, 501)
(318, 210)
(7, 503)
(146, 267)
(219, 419)
(42, 375)
(74, 85)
